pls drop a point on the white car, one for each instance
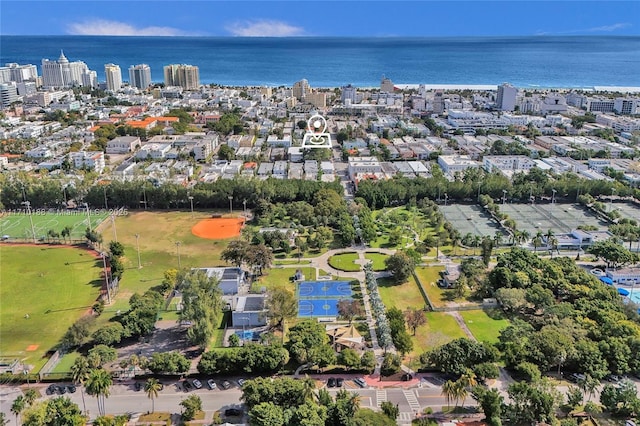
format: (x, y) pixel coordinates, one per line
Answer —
(197, 384)
(241, 382)
(212, 385)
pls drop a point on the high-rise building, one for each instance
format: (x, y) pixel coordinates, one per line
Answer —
(8, 94)
(114, 77)
(301, 89)
(386, 85)
(18, 73)
(64, 74)
(350, 93)
(140, 76)
(185, 76)
(506, 99)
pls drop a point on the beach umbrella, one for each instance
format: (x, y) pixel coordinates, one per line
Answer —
(623, 292)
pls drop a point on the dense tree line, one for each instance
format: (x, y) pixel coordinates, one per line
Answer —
(469, 185)
(565, 317)
(250, 358)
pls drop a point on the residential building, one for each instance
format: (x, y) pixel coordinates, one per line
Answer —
(627, 106)
(91, 160)
(64, 74)
(349, 93)
(506, 98)
(600, 105)
(507, 164)
(113, 75)
(18, 73)
(229, 279)
(317, 99)
(182, 75)
(386, 85)
(249, 311)
(8, 94)
(301, 89)
(456, 163)
(140, 76)
(123, 145)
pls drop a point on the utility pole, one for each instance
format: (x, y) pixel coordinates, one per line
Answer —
(33, 231)
(191, 201)
(230, 204)
(178, 250)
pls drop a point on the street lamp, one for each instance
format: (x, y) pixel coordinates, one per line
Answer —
(106, 205)
(88, 216)
(138, 249)
(553, 196)
(178, 250)
(230, 204)
(446, 197)
(33, 231)
(504, 197)
(613, 191)
(244, 203)
(113, 224)
(191, 201)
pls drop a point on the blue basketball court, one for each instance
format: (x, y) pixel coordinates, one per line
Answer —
(324, 289)
(320, 298)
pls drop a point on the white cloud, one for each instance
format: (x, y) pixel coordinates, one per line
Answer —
(264, 28)
(609, 28)
(115, 28)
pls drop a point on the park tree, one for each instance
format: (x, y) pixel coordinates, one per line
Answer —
(141, 317)
(259, 257)
(78, 333)
(390, 364)
(621, 400)
(54, 412)
(191, 406)
(281, 305)
(349, 358)
(613, 253)
(202, 304)
(491, 403)
(532, 403)
(235, 253)
(367, 417)
(18, 406)
(400, 265)
(348, 309)
(79, 375)
(414, 318)
(390, 409)
(109, 334)
(168, 362)
(304, 338)
(458, 355)
(116, 249)
(368, 361)
(267, 414)
(102, 354)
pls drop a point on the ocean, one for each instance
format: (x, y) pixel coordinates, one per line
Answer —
(526, 62)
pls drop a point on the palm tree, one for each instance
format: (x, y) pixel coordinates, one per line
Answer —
(309, 388)
(476, 243)
(448, 390)
(537, 241)
(19, 404)
(497, 238)
(99, 385)
(30, 396)
(553, 242)
(152, 387)
(525, 235)
(79, 374)
(459, 392)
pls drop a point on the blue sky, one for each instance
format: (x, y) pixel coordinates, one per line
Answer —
(319, 18)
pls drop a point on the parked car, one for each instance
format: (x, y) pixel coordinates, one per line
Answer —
(188, 387)
(241, 382)
(226, 385)
(406, 377)
(197, 384)
(360, 382)
(71, 388)
(51, 389)
(575, 377)
(137, 386)
(211, 384)
(62, 390)
(339, 382)
(232, 412)
(331, 383)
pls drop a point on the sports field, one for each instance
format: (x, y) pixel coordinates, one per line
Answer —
(44, 291)
(18, 226)
(628, 210)
(470, 220)
(560, 218)
(320, 298)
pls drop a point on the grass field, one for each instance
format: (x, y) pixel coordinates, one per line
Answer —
(439, 329)
(485, 325)
(53, 285)
(281, 277)
(345, 262)
(18, 225)
(402, 296)
(377, 259)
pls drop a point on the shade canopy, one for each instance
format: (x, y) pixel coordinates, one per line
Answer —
(606, 280)
(623, 292)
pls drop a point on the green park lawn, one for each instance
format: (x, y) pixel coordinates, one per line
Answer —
(428, 277)
(345, 262)
(377, 259)
(281, 277)
(440, 328)
(485, 325)
(55, 286)
(402, 296)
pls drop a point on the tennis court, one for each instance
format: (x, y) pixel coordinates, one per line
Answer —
(318, 308)
(628, 210)
(560, 218)
(470, 219)
(324, 288)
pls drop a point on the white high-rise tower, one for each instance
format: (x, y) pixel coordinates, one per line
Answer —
(114, 77)
(140, 76)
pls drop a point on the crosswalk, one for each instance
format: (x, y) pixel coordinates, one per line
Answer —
(411, 399)
(404, 417)
(381, 396)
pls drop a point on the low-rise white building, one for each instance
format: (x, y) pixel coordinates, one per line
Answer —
(123, 145)
(92, 160)
(456, 163)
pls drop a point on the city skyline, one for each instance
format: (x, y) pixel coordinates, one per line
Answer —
(329, 18)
